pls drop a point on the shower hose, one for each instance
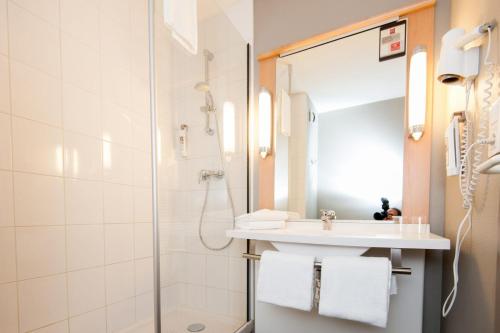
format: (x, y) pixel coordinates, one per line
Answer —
(207, 190)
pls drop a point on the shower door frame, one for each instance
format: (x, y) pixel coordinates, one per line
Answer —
(248, 326)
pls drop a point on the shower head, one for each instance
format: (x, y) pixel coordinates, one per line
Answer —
(202, 86)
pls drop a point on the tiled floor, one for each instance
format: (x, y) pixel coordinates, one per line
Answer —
(178, 321)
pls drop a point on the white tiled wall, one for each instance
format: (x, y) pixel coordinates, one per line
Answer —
(75, 196)
(193, 277)
(75, 217)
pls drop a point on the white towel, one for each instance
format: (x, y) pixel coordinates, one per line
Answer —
(268, 215)
(181, 17)
(286, 280)
(260, 225)
(285, 108)
(356, 288)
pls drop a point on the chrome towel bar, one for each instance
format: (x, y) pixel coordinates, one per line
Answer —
(395, 270)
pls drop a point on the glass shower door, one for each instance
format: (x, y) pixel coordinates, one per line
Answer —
(202, 171)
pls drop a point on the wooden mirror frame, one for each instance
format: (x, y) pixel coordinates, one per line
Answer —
(417, 154)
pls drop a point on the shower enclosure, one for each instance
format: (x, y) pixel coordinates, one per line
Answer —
(79, 240)
(202, 275)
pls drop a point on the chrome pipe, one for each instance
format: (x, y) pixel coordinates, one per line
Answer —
(154, 166)
(317, 264)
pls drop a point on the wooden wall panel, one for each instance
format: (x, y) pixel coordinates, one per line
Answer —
(267, 79)
(417, 154)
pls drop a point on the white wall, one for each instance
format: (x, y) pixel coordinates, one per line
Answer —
(361, 158)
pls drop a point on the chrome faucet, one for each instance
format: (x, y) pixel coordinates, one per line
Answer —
(207, 174)
(327, 215)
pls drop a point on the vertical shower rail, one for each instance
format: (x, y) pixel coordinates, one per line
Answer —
(154, 171)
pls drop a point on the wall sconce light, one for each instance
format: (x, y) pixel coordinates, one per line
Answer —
(417, 93)
(265, 120)
(228, 125)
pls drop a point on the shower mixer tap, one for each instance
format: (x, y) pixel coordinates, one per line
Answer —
(206, 174)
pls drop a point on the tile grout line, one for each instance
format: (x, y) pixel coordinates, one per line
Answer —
(12, 167)
(64, 162)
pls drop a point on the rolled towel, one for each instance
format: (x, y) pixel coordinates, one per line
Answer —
(356, 288)
(286, 280)
(268, 215)
(260, 225)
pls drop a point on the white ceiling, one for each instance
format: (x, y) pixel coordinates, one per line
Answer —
(347, 73)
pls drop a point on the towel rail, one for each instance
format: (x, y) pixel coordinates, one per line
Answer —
(317, 264)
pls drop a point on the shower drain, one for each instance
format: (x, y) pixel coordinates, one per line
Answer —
(196, 327)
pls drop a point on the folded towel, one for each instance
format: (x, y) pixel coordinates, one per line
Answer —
(268, 215)
(286, 280)
(260, 225)
(181, 17)
(356, 288)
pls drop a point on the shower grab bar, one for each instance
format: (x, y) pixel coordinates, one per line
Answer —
(317, 264)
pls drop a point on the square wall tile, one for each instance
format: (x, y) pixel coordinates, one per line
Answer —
(36, 147)
(118, 163)
(7, 255)
(118, 203)
(237, 274)
(217, 271)
(237, 305)
(4, 80)
(33, 41)
(42, 301)
(116, 124)
(142, 168)
(115, 43)
(5, 142)
(116, 85)
(196, 297)
(143, 211)
(218, 301)
(80, 64)
(144, 307)
(140, 97)
(46, 9)
(8, 308)
(38, 199)
(143, 238)
(6, 199)
(80, 18)
(85, 246)
(121, 315)
(119, 240)
(143, 275)
(119, 282)
(44, 91)
(195, 266)
(40, 251)
(82, 156)
(60, 327)
(84, 201)
(86, 290)
(81, 111)
(4, 37)
(94, 321)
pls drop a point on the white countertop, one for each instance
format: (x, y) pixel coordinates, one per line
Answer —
(351, 234)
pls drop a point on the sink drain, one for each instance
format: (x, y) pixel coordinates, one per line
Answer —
(196, 327)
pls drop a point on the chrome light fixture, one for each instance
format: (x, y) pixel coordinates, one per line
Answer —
(265, 122)
(417, 93)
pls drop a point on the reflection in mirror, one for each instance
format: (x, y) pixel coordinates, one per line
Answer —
(340, 129)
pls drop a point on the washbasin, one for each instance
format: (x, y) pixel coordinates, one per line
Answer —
(346, 237)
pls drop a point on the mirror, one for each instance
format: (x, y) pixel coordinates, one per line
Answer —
(340, 129)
